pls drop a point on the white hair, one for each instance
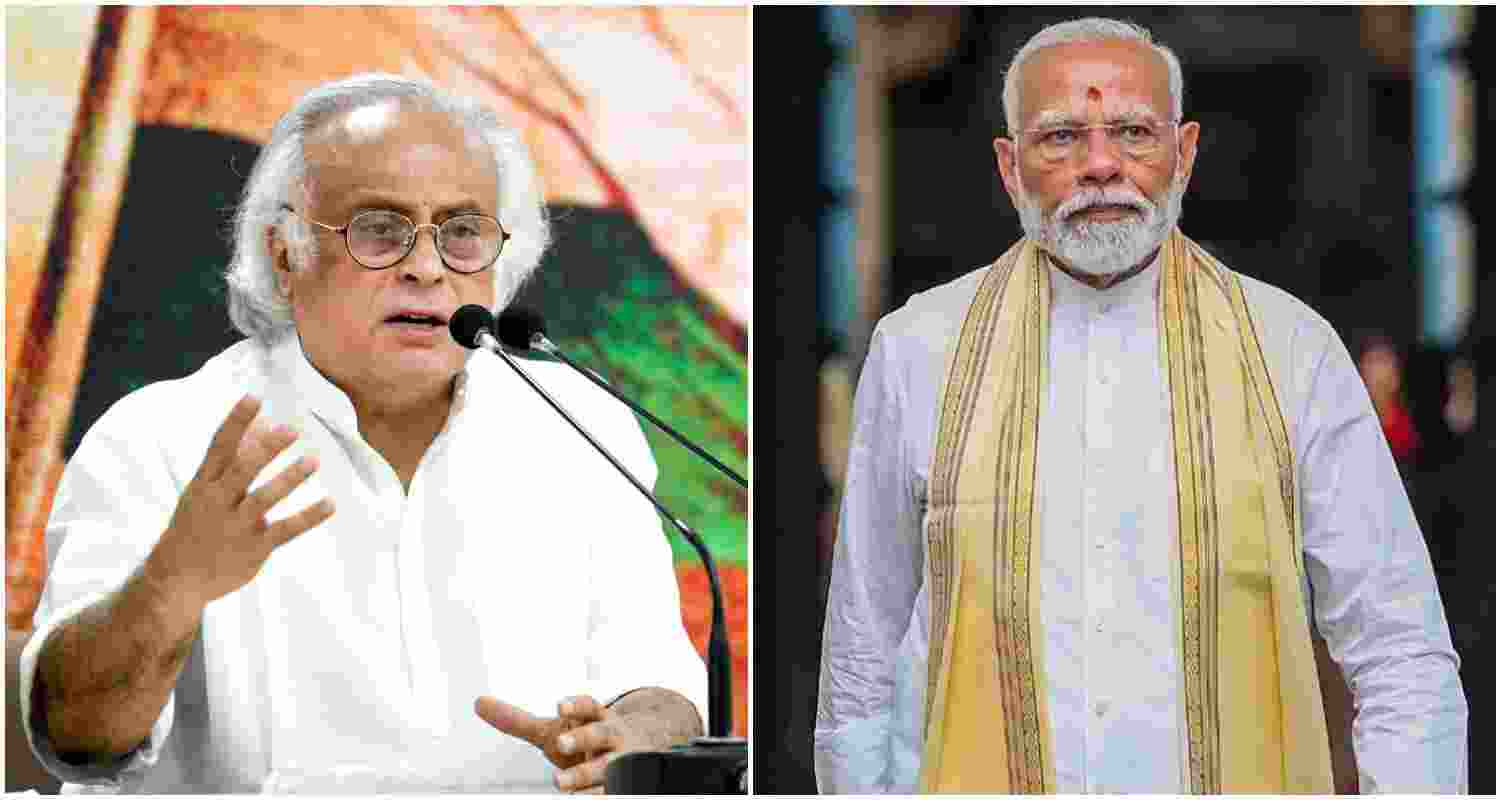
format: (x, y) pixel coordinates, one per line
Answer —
(1091, 29)
(256, 306)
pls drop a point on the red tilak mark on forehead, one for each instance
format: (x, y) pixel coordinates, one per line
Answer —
(1095, 96)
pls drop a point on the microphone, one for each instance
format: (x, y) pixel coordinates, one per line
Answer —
(520, 328)
(524, 329)
(471, 327)
(468, 323)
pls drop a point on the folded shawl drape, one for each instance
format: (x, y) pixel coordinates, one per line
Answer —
(1253, 709)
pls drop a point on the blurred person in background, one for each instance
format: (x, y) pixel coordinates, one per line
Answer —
(1102, 492)
(1381, 369)
(212, 624)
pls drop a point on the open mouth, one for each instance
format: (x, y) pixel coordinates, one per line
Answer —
(417, 319)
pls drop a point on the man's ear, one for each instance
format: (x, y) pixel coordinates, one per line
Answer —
(1005, 164)
(281, 263)
(1187, 150)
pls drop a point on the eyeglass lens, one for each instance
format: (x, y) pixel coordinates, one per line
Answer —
(468, 243)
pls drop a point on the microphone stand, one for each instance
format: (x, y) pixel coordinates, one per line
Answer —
(713, 764)
(539, 341)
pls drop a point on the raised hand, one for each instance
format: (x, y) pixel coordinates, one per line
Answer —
(218, 537)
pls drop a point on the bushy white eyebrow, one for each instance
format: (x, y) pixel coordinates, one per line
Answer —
(1055, 118)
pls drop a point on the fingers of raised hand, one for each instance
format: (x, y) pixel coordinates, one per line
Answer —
(581, 709)
(601, 736)
(585, 776)
(262, 444)
(226, 441)
(275, 490)
(285, 530)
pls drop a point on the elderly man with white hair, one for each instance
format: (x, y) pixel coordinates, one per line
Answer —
(1102, 491)
(343, 553)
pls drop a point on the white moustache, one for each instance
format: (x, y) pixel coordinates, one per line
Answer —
(1084, 201)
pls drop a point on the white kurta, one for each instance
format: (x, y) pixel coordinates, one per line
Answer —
(1109, 581)
(519, 565)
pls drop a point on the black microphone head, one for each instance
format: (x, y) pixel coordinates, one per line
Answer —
(467, 322)
(516, 326)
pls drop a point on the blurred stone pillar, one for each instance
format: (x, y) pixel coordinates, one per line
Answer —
(891, 46)
(55, 258)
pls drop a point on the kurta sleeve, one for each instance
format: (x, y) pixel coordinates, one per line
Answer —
(115, 498)
(877, 563)
(636, 634)
(1375, 597)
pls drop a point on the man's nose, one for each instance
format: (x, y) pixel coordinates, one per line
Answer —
(423, 264)
(1102, 159)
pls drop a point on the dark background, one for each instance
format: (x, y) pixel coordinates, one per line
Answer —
(1304, 179)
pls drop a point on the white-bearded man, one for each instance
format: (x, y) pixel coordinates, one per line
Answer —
(1101, 493)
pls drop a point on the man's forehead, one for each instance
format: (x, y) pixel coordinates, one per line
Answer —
(1096, 80)
(393, 151)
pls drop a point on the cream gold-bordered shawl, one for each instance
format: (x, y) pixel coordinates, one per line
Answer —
(1254, 712)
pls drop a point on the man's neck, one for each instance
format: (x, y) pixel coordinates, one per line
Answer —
(1105, 280)
(399, 421)
(406, 410)
(402, 431)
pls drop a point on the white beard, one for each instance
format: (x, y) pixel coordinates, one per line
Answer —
(1102, 248)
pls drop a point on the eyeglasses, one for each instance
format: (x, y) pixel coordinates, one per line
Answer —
(379, 239)
(1140, 140)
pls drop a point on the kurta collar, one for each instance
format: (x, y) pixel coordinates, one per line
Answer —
(1140, 287)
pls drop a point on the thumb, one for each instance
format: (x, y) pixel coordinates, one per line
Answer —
(515, 721)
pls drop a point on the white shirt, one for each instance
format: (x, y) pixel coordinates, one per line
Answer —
(1109, 586)
(519, 565)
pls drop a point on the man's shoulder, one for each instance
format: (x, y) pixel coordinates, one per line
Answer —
(1299, 347)
(492, 383)
(1270, 298)
(487, 375)
(203, 396)
(934, 314)
(502, 404)
(1283, 316)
